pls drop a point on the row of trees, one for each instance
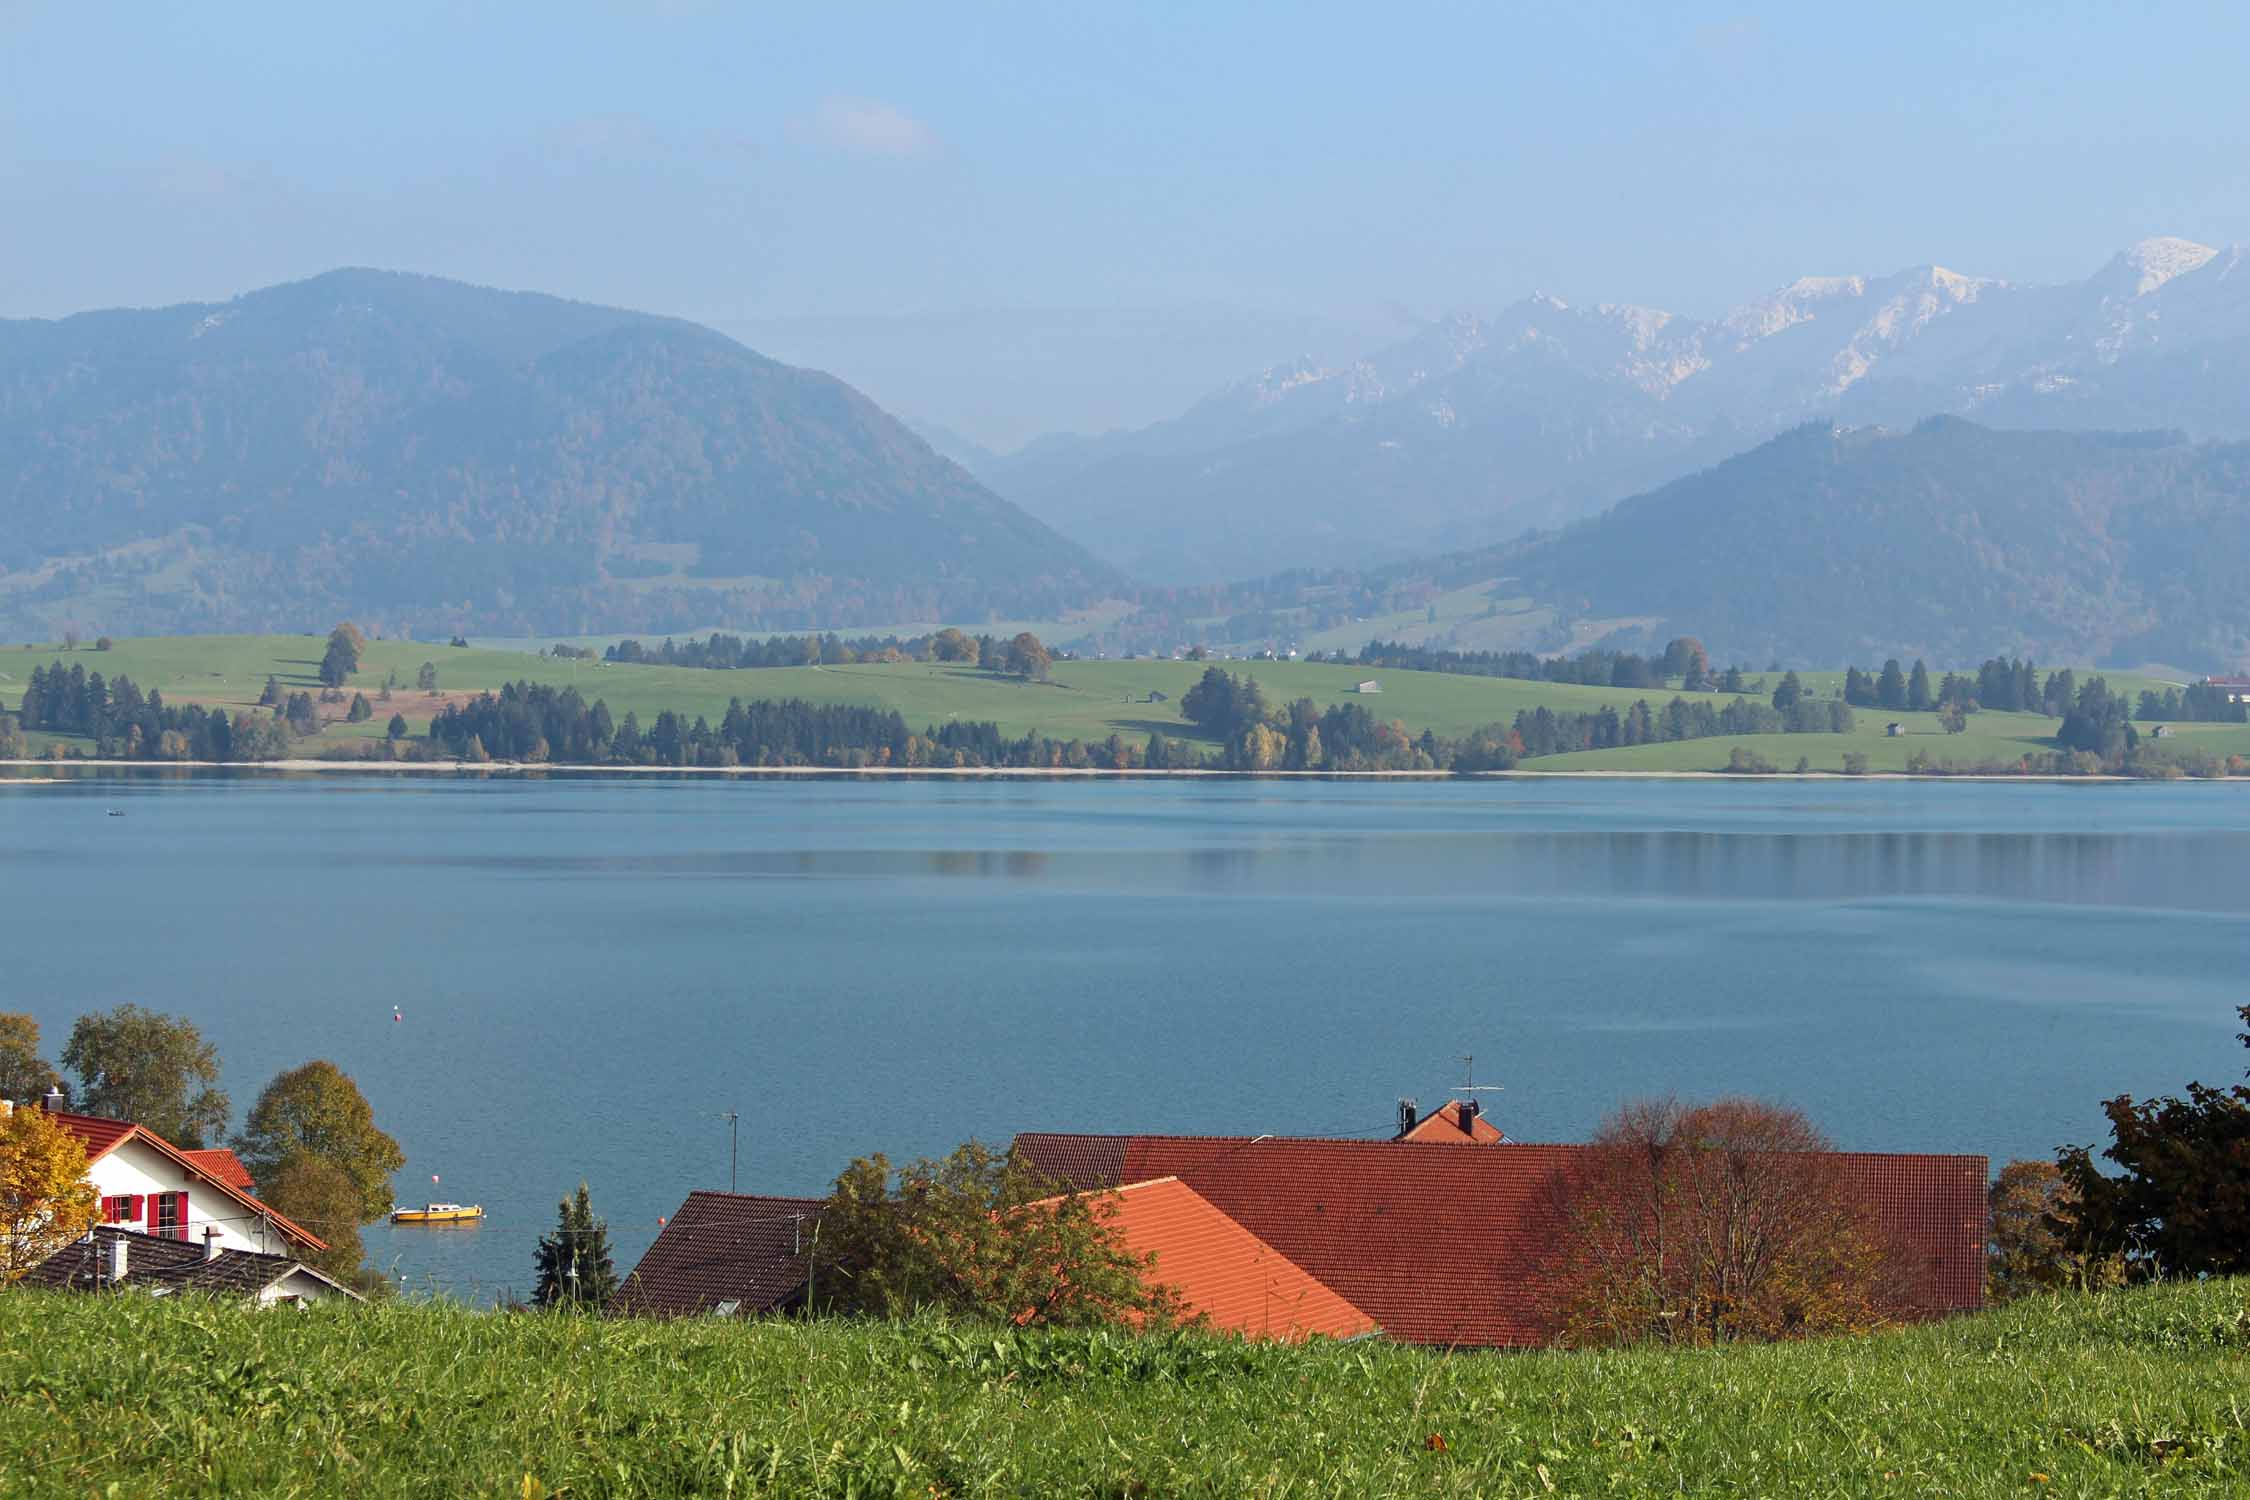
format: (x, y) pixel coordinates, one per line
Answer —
(1683, 660)
(127, 724)
(1022, 655)
(310, 1142)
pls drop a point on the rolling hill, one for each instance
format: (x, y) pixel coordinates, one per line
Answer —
(433, 456)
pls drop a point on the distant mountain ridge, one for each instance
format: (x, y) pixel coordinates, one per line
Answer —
(1478, 427)
(419, 453)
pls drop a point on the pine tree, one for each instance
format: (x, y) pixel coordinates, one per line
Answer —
(1918, 695)
(573, 1264)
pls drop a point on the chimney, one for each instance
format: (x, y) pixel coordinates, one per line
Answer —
(53, 1100)
(116, 1246)
(210, 1242)
(7, 1108)
(1408, 1117)
(1469, 1112)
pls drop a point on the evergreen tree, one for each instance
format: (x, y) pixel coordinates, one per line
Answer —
(1890, 688)
(1918, 694)
(1791, 690)
(573, 1264)
(360, 711)
(396, 730)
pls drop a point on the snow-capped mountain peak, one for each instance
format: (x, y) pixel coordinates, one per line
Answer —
(2151, 263)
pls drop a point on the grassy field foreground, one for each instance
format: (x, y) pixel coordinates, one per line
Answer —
(2143, 1392)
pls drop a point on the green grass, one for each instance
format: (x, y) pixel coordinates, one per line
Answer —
(2139, 1393)
(1087, 699)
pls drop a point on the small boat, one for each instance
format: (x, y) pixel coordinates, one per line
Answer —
(438, 1213)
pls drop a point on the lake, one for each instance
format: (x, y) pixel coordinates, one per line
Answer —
(590, 970)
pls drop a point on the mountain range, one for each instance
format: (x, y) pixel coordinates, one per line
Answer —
(423, 455)
(1479, 427)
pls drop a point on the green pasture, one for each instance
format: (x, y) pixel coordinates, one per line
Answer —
(2128, 1393)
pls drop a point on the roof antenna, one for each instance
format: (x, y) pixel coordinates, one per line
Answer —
(1470, 1088)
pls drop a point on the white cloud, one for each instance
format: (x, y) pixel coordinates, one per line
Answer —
(867, 127)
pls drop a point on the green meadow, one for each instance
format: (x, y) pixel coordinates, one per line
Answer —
(2128, 1393)
(1086, 699)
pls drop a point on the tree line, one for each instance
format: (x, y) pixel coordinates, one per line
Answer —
(1683, 658)
(1022, 655)
(128, 724)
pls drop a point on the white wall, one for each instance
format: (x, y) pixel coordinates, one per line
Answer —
(139, 1168)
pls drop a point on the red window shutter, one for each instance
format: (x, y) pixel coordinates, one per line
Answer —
(150, 1200)
(179, 1215)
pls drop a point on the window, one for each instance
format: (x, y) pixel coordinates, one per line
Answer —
(123, 1209)
(167, 1216)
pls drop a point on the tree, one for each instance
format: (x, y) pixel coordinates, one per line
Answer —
(573, 1263)
(317, 1111)
(322, 1197)
(342, 656)
(1713, 1223)
(1890, 688)
(156, 1070)
(24, 1074)
(2031, 1206)
(103, 643)
(396, 729)
(981, 1234)
(426, 678)
(2180, 1205)
(1918, 694)
(360, 711)
(1951, 718)
(1028, 656)
(950, 644)
(273, 696)
(45, 1199)
(1789, 694)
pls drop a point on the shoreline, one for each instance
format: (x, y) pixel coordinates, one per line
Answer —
(527, 768)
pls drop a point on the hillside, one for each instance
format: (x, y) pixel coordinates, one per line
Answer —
(2124, 1393)
(1481, 425)
(421, 454)
(1952, 542)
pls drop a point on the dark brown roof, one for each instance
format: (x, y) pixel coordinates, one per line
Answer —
(720, 1248)
(161, 1264)
(1442, 1246)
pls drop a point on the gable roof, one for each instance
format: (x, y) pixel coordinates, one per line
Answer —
(1442, 1246)
(221, 1165)
(167, 1265)
(1234, 1279)
(1451, 1125)
(100, 1137)
(723, 1247)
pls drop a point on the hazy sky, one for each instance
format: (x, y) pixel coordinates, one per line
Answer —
(1013, 218)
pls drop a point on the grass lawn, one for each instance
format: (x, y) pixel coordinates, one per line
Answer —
(1087, 699)
(2138, 1393)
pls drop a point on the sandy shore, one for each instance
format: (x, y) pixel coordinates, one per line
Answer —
(499, 768)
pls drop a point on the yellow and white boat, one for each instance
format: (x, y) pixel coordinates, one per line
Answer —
(438, 1213)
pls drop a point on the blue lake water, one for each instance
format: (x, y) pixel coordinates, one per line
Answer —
(590, 970)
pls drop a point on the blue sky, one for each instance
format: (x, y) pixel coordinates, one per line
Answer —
(1012, 218)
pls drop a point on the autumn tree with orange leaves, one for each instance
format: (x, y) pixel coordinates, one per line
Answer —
(1713, 1223)
(45, 1199)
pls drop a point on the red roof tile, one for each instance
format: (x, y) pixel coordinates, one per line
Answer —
(1447, 1125)
(1237, 1281)
(220, 1163)
(1444, 1247)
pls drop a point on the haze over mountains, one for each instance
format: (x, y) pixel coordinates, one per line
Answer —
(426, 455)
(1479, 427)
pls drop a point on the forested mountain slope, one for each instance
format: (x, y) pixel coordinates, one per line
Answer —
(421, 454)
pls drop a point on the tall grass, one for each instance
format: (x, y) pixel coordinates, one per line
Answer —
(2143, 1392)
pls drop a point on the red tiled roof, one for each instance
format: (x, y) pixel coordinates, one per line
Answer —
(1448, 1125)
(101, 1136)
(1445, 1247)
(1237, 1281)
(221, 1164)
(723, 1247)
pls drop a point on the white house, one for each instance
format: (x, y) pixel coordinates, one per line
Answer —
(148, 1185)
(1369, 686)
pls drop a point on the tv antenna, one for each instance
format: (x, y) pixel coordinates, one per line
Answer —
(734, 1142)
(1470, 1088)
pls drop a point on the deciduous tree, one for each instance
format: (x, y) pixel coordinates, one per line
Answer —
(320, 1196)
(45, 1199)
(317, 1111)
(1713, 1223)
(156, 1070)
(2032, 1207)
(24, 1074)
(981, 1234)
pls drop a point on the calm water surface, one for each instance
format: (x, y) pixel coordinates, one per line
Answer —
(590, 970)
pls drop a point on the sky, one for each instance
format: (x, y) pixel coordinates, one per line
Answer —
(1011, 219)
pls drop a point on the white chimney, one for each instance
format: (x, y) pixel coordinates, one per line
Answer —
(7, 1108)
(117, 1247)
(210, 1242)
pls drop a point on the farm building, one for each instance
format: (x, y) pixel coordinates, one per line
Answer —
(1369, 686)
(2236, 689)
(1894, 729)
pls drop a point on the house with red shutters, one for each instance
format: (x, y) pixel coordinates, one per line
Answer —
(150, 1187)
